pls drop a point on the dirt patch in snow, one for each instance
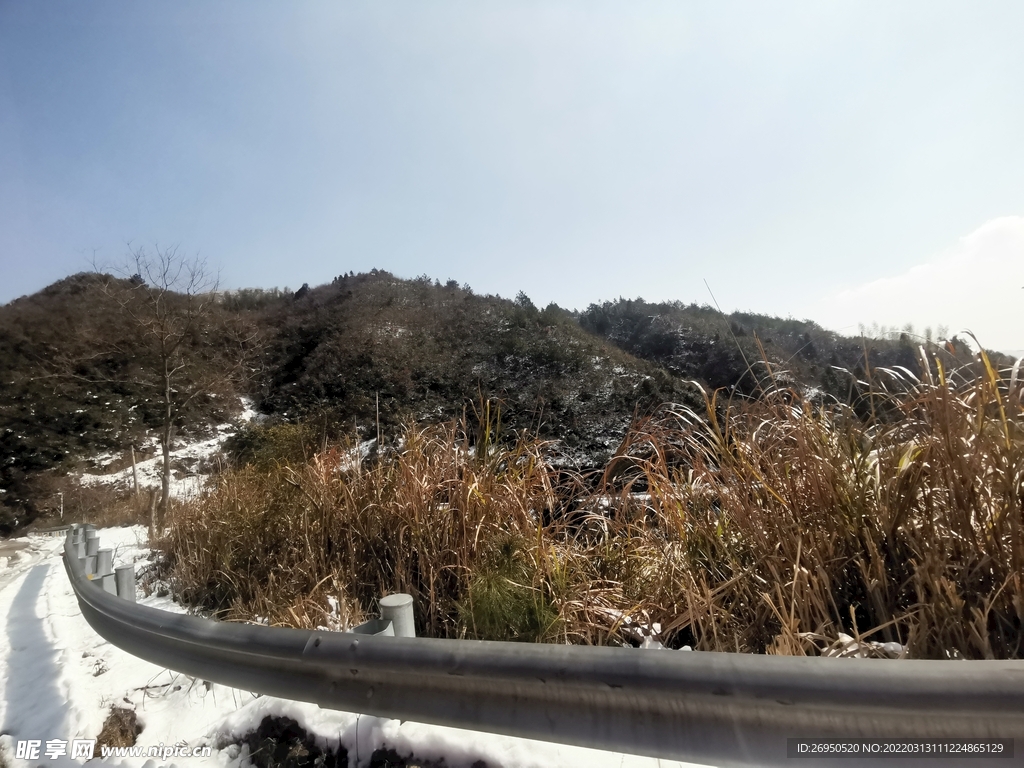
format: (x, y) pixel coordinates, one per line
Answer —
(120, 729)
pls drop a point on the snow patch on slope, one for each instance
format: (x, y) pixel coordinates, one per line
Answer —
(194, 457)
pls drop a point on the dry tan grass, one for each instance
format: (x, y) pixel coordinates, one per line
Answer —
(772, 525)
(120, 729)
(100, 505)
(805, 519)
(277, 543)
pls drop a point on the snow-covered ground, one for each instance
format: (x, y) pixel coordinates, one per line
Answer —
(192, 455)
(184, 485)
(59, 679)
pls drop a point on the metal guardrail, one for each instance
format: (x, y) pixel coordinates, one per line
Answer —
(719, 708)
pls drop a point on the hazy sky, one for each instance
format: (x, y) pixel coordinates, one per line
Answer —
(849, 162)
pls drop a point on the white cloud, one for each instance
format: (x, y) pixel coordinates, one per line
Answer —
(976, 285)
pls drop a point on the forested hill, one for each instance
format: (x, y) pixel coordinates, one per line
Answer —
(373, 349)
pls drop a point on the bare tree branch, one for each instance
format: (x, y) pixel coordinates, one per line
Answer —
(166, 297)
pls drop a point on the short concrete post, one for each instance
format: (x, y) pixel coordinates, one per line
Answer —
(398, 610)
(108, 583)
(125, 577)
(90, 566)
(105, 562)
(79, 549)
(92, 544)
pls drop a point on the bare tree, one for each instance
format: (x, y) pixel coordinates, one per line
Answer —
(168, 297)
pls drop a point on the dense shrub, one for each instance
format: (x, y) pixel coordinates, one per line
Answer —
(726, 351)
(372, 350)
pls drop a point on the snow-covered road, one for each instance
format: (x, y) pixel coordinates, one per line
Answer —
(59, 680)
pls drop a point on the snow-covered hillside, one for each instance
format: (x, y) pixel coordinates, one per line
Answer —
(194, 455)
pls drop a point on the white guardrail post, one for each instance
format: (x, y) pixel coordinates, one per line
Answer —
(105, 570)
(78, 541)
(396, 618)
(92, 547)
(397, 609)
(124, 575)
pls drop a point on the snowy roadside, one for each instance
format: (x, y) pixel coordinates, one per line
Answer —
(59, 679)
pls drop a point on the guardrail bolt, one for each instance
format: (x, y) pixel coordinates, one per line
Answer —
(397, 609)
(125, 577)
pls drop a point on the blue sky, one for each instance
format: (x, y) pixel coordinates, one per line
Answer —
(845, 162)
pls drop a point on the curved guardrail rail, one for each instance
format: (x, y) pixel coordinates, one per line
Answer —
(718, 708)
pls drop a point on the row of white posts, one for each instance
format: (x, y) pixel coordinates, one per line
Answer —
(98, 563)
(396, 615)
